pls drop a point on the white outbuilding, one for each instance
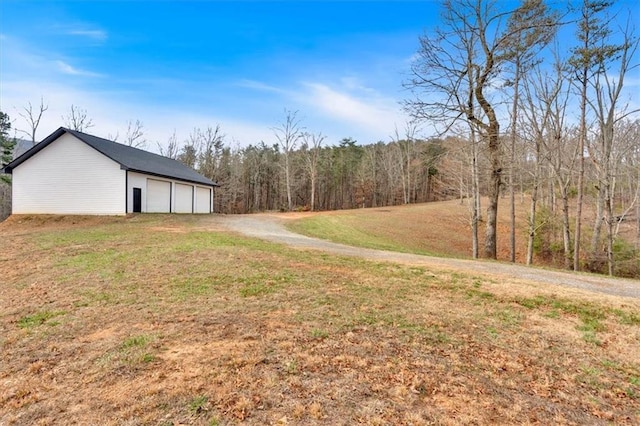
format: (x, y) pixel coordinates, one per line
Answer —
(71, 172)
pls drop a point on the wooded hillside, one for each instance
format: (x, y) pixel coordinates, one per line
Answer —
(526, 99)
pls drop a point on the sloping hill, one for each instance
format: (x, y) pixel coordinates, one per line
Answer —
(438, 228)
(443, 229)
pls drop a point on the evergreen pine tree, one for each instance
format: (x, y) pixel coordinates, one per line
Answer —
(7, 144)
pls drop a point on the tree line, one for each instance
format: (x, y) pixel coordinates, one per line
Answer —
(516, 116)
(303, 172)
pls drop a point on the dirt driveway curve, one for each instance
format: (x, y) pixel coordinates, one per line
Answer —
(271, 227)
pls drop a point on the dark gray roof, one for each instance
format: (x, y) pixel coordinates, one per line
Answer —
(129, 158)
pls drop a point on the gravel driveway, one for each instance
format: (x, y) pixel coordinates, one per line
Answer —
(271, 228)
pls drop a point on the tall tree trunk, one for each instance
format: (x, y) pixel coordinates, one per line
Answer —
(610, 220)
(581, 146)
(475, 195)
(461, 185)
(313, 192)
(408, 166)
(512, 202)
(476, 183)
(597, 225)
(512, 199)
(287, 178)
(534, 203)
(553, 202)
(532, 221)
(638, 214)
(566, 232)
(492, 133)
(491, 243)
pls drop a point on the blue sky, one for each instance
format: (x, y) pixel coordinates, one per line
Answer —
(180, 65)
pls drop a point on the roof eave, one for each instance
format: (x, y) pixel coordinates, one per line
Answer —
(169, 177)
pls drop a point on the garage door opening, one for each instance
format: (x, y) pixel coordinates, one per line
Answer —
(158, 196)
(203, 198)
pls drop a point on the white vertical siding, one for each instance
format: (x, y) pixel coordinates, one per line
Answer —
(69, 177)
(203, 199)
(183, 198)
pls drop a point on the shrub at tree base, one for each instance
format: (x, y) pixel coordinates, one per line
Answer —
(627, 259)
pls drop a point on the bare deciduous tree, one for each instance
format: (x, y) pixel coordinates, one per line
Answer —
(312, 143)
(288, 135)
(608, 114)
(533, 27)
(457, 65)
(33, 117)
(542, 91)
(406, 154)
(135, 134)
(171, 150)
(211, 150)
(588, 59)
(190, 152)
(77, 119)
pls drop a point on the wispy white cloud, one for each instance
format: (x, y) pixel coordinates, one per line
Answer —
(82, 30)
(260, 86)
(26, 62)
(369, 113)
(98, 35)
(339, 106)
(354, 83)
(65, 68)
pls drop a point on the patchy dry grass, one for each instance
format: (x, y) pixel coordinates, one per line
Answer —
(432, 228)
(155, 320)
(437, 229)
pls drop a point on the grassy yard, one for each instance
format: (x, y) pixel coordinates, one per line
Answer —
(169, 320)
(437, 229)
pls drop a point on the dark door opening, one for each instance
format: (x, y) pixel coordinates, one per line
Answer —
(137, 200)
